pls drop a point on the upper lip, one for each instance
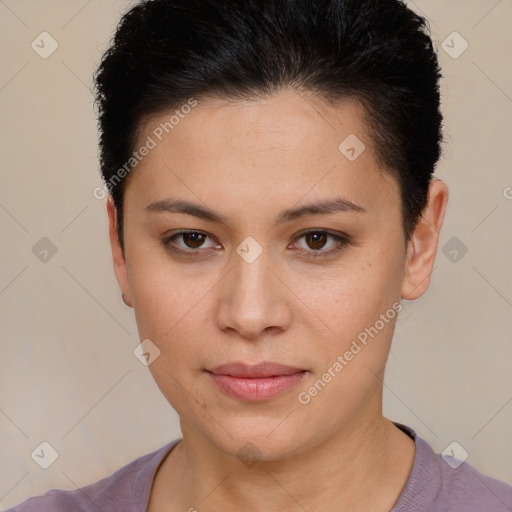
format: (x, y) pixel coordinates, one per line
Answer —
(262, 369)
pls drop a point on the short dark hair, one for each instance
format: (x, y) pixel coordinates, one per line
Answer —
(377, 52)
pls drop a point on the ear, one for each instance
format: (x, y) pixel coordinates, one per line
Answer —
(120, 268)
(422, 248)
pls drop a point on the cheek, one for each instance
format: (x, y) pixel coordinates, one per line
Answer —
(159, 297)
(172, 306)
(353, 297)
(360, 308)
(359, 305)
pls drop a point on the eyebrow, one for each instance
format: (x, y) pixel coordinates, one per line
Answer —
(325, 207)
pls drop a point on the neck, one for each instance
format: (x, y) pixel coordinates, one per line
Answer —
(363, 467)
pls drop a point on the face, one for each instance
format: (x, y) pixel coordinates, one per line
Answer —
(252, 281)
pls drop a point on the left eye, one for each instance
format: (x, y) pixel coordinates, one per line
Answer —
(316, 240)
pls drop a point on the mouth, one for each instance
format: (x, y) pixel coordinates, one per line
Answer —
(256, 382)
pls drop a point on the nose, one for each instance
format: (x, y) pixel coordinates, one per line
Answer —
(253, 300)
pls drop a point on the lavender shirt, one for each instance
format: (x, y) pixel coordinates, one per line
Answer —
(433, 486)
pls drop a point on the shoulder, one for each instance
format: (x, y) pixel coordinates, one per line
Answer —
(441, 483)
(126, 489)
(464, 484)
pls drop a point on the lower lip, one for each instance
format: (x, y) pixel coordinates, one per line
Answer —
(257, 389)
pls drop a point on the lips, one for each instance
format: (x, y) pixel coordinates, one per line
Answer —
(258, 370)
(257, 382)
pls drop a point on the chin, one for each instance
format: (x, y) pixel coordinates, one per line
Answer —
(259, 439)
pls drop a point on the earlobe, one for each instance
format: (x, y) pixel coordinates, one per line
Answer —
(422, 249)
(118, 258)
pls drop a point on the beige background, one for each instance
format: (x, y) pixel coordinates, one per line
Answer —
(68, 375)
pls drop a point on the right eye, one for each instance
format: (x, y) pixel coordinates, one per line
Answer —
(191, 240)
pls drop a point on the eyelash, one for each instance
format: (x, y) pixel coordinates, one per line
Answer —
(341, 241)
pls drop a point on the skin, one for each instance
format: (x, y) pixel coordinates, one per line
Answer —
(249, 161)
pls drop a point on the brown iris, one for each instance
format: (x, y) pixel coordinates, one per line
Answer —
(319, 240)
(194, 238)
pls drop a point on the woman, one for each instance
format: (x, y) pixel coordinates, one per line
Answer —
(271, 200)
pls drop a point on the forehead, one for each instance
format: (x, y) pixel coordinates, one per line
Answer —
(288, 145)
(284, 121)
